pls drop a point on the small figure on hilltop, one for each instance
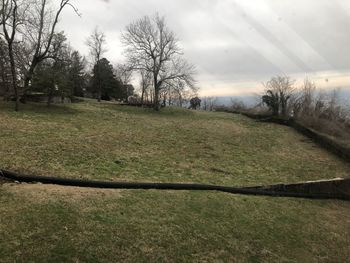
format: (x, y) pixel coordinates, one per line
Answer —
(195, 103)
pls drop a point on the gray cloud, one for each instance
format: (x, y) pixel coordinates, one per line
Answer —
(234, 41)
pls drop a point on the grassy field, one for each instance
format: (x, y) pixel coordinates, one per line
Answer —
(44, 223)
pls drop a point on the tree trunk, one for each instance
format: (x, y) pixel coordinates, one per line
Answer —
(164, 100)
(4, 81)
(14, 76)
(27, 79)
(99, 94)
(180, 100)
(156, 105)
(49, 97)
(169, 100)
(142, 94)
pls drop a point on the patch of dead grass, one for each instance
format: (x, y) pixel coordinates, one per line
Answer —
(42, 193)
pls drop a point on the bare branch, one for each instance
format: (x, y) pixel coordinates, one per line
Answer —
(96, 43)
(151, 46)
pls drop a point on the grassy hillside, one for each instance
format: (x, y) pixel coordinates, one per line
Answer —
(109, 142)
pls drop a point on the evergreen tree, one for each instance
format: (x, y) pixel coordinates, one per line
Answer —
(76, 75)
(103, 75)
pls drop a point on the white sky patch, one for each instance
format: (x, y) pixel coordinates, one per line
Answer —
(344, 4)
(285, 34)
(251, 37)
(324, 80)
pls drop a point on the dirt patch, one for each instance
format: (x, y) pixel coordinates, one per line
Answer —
(44, 192)
(3, 181)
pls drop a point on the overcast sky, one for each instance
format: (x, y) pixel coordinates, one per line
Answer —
(235, 44)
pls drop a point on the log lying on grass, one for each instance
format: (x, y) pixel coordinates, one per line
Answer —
(324, 189)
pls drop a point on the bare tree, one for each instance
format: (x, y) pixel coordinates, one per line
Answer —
(5, 71)
(96, 43)
(123, 73)
(303, 104)
(145, 83)
(237, 105)
(11, 19)
(176, 92)
(209, 103)
(40, 30)
(29, 29)
(153, 47)
(179, 92)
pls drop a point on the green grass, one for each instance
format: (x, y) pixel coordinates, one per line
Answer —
(41, 223)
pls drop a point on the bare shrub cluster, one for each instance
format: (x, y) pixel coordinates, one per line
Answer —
(319, 110)
(322, 111)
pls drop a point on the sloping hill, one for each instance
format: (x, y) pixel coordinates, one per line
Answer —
(110, 142)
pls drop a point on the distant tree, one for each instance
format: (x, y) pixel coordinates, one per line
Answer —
(11, 18)
(278, 91)
(303, 104)
(237, 105)
(104, 82)
(272, 100)
(62, 75)
(76, 74)
(145, 84)
(123, 73)
(195, 103)
(151, 46)
(52, 75)
(5, 70)
(176, 93)
(96, 43)
(34, 24)
(47, 79)
(208, 103)
(40, 38)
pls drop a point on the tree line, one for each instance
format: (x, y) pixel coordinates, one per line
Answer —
(36, 58)
(323, 111)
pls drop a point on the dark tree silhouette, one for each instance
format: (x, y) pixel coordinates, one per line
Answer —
(195, 103)
(104, 83)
